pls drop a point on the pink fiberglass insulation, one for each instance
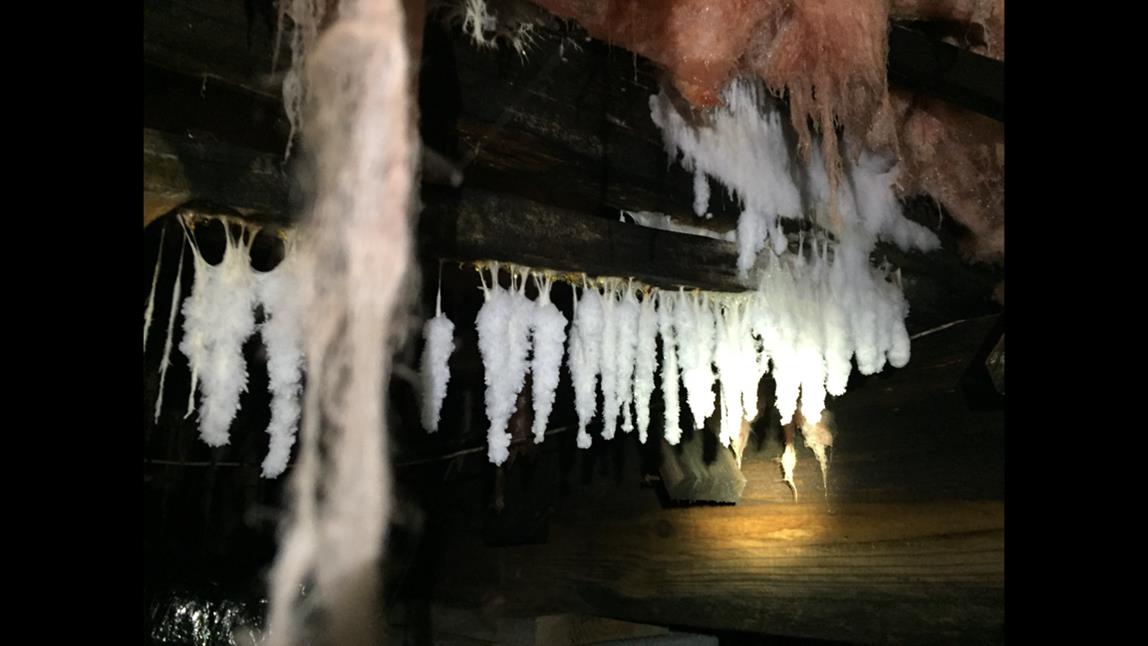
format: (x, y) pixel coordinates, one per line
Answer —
(699, 42)
(826, 56)
(980, 23)
(828, 59)
(957, 157)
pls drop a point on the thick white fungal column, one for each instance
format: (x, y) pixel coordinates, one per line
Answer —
(549, 344)
(218, 318)
(434, 375)
(670, 376)
(628, 312)
(583, 358)
(278, 291)
(646, 362)
(494, 344)
(735, 360)
(608, 360)
(695, 326)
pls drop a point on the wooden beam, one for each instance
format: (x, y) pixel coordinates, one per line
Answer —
(481, 225)
(477, 225)
(871, 573)
(178, 170)
(218, 39)
(956, 75)
(938, 362)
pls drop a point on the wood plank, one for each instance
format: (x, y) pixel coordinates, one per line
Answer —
(477, 225)
(221, 39)
(179, 169)
(872, 572)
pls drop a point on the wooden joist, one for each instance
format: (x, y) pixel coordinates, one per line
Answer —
(477, 225)
(179, 170)
(474, 224)
(874, 573)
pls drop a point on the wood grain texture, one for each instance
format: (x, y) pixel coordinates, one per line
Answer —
(178, 170)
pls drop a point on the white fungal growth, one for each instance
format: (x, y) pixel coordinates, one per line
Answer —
(438, 336)
(151, 295)
(477, 22)
(628, 311)
(504, 345)
(818, 438)
(696, 331)
(788, 462)
(899, 347)
(166, 360)
(813, 312)
(670, 375)
(837, 335)
(645, 362)
(583, 361)
(745, 145)
(736, 364)
(549, 344)
(218, 317)
(279, 292)
(742, 145)
(608, 360)
(810, 341)
(701, 193)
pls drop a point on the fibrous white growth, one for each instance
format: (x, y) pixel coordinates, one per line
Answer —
(734, 358)
(812, 312)
(503, 341)
(788, 461)
(819, 438)
(583, 358)
(549, 345)
(438, 336)
(696, 333)
(218, 317)
(645, 362)
(670, 375)
(608, 361)
(744, 144)
(627, 350)
(279, 293)
(166, 360)
(477, 22)
(150, 308)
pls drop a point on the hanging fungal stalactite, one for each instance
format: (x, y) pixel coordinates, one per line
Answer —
(434, 374)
